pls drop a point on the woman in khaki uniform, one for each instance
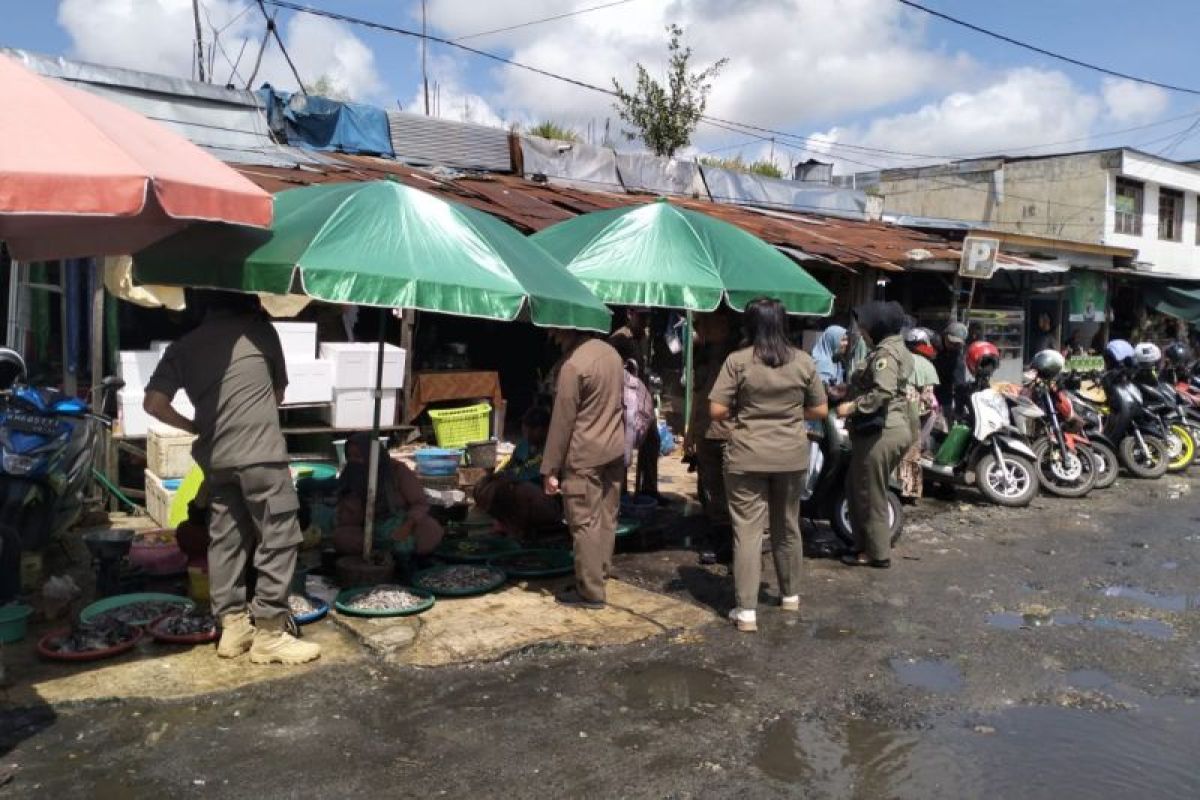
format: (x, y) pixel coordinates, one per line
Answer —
(882, 423)
(767, 389)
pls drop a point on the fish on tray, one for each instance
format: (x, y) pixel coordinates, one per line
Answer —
(386, 597)
(460, 578)
(135, 613)
(187, 624)
(92, 636)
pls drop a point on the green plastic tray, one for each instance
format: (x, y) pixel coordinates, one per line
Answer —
(341, 603)
(626, 527)
(558, 562)
(419, 582)
(109, 603)
(486, 548)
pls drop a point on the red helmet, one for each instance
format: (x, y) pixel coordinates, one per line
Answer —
(981, 353)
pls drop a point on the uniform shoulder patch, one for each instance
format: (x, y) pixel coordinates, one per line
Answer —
(881, 364)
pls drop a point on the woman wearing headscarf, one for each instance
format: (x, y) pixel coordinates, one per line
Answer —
(767, 390)
(882, 422)
(829, 354)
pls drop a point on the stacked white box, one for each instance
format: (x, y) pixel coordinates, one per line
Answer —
(169, 451)
(356, 364)
(136, 366)
(309, 382)
(135, 421)
(355, 408)
(158, 500)
(298, 340)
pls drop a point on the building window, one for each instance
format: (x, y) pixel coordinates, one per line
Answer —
(1129, 207)
(1170, 215)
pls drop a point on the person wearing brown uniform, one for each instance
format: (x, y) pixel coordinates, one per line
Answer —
(768, 390)
(584, 459)
(706, 438)
(232, 369)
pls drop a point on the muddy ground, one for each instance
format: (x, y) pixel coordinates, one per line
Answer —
(1048, 652)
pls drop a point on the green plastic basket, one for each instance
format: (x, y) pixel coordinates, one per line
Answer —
(419, 581)
(458, 427)
(346, 596)
(545, 563)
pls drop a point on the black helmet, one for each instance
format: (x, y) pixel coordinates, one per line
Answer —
(1176, 354)
(12, 368)
(1048, 364)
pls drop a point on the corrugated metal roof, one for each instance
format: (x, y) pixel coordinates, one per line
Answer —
(418, 139)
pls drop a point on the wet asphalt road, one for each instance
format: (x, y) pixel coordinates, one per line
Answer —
(1050, 652)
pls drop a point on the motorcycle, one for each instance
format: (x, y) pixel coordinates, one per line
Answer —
(1089, 423)
(1180, 429)
(824, 494)
(48, 442)
(1066, 463)
(985, 449)
(1139, 437)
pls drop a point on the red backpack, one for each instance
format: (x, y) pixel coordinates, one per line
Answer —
(639, 411)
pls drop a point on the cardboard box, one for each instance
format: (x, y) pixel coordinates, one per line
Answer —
(309, 382)
(355, 408)
(136, 366)
(299, 340)
(355, 364)
(158, 499)
(169, 451)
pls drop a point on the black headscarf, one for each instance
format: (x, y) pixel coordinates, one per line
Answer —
(880, 319)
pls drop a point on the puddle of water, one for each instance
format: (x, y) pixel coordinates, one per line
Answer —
(933, 676)
(1030, 752)
(1089, 679)
(1012, 621)
(1163, 602)
(673, 688)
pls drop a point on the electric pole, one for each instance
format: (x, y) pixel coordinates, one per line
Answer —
(199, 40)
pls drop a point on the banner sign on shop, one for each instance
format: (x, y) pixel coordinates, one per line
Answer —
(1088, 297)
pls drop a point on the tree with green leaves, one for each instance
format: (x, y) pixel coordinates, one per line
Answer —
(553, 130)
(664, 117)
(762, 167)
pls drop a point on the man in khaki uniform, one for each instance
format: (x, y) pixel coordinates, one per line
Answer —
(584, 459)
(232, 369)
(707, 438)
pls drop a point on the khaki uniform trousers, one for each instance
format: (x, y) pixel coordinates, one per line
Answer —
(761, 501)
(592, 501)
(252, 510)
(872, 459)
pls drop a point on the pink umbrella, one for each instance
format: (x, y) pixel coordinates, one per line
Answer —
(82, 176)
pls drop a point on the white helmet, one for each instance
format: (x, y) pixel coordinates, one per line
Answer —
(1147, 354)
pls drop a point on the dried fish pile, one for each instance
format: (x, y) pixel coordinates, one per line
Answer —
(529, 562)
(386, 597)
(300, 605)
(460, 577)
(95, 635)
(137, 613)
(187, 624)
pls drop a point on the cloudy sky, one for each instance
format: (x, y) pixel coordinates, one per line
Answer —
(867, 83)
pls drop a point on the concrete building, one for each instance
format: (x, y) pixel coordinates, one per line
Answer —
(1119, 198)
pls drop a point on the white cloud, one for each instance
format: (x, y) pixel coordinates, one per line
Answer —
(448, 100)
(1127, 101)
(158, 36)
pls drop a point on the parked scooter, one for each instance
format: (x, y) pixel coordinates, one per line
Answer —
(1066, 464)
(47, 447)
(983, 448)
(1163, 402)
(1141, 446)
(824, 496)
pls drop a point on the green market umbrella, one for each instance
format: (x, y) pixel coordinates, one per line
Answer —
(659, 255)
(381, 244)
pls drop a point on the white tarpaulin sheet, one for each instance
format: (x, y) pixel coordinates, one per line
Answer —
(646, 172)
(728, 186)
(575, 164)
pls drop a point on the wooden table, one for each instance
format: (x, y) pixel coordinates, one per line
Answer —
(467, 385)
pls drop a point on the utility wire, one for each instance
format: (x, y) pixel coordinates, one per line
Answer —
(1042, 51)
(279, 40)
(532, 22)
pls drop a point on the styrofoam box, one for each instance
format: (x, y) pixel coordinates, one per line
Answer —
(309, 382)
(355, 364)
(160, 345)
(158, 500)
(355, 408)
(136, 366)
(169, 451)
(135, 421)
(299, 340)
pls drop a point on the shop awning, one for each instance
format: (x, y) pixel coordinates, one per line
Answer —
(1044, 266)
(1174, 300)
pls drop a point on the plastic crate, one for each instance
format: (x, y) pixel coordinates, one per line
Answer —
(457, 427)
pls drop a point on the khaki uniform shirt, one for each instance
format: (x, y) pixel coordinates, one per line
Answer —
(702, 426)
(587, 425)
(230, 367)
(882, 383)
(769, 433)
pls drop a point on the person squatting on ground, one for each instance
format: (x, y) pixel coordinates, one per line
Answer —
(513, 496)
(768, 390)
(232, 369)
(584, 459)
(882, 421)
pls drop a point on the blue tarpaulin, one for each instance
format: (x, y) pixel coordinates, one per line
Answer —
(324, 124)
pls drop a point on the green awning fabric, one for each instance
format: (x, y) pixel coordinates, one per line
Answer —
(1174, 300)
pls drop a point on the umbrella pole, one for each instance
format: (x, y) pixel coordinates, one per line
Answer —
(373, 460)
(689, 375)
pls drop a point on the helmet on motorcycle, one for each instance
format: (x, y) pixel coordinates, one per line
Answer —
(1119, 353)
(982, 354)
(1048, 364)
(1176, 353)
(919, 341)
(12, 368)
(1147, 354)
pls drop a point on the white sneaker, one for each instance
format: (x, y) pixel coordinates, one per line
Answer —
(745, 619)
(790, 603)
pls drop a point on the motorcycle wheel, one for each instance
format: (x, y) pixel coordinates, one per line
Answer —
(1074, 476)
(1149, 463)
(1014, 487)
(1181, 448)
(1107, 465)
(841, 520)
